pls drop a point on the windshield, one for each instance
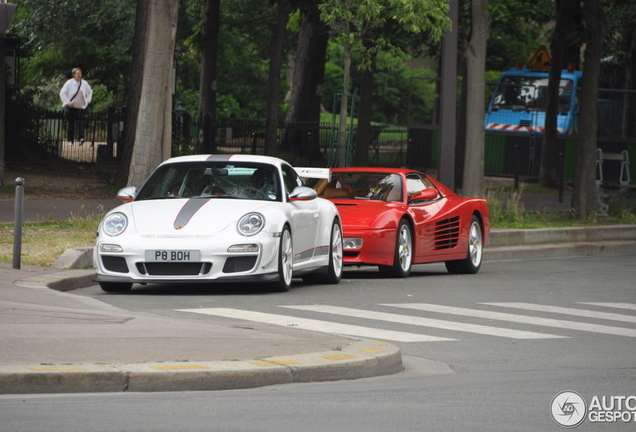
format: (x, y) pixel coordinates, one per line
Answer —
(361, 185)
(526, 93)
(213, 180)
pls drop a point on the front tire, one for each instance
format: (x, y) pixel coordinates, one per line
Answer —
(472, 262)
(115, 287)
(285, 262)
(403, 256)
(334, 268)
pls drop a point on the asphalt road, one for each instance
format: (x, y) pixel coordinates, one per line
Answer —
(482, 352)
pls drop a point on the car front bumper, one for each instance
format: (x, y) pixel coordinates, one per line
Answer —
(215, 263)
(378, 247)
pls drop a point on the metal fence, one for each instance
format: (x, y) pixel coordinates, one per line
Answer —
(43, 137)
(38, 136)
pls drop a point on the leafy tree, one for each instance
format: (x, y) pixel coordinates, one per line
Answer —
(350, 20)
(59, 35)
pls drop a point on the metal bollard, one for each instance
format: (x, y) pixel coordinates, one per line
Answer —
(17, 225)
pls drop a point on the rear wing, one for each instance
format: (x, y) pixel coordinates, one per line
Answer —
(314, 173)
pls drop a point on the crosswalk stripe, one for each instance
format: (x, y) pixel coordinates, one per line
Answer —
(523, 319)
(629, 306)
(316, 325)
(426, 322)
(567, 311)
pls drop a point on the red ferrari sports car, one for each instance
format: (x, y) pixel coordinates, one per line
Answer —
(394, 218)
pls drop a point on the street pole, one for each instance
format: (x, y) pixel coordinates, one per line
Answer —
(17, 223)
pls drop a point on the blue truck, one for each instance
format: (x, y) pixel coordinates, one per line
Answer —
(520, 99)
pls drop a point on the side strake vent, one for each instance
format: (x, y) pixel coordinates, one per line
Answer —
(441, 235)
(447, 233)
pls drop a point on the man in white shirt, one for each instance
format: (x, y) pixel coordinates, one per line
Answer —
(76, 94)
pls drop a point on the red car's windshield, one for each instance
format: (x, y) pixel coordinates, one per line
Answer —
(361, 185)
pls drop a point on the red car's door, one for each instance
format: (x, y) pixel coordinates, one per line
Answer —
(424, 209)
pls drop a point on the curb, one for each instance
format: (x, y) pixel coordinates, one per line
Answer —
(528, 237)
(359, 360)
(507, 244)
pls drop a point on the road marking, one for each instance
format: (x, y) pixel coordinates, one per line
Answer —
(629, 306)
(426, 322)
(316, 325)
(524, 319)
(567, 311)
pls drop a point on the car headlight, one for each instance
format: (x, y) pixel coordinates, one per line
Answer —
(115, 224)
(250, 224)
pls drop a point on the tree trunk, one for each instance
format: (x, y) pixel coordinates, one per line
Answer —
(364, 133)
(3, 109)
(134, 88)
(306, 91)
(344, 99)
(584, 196)
(153, 131)
(460, 140)
(549, 154)
(207, 90)
(275, 64)
(475, 99)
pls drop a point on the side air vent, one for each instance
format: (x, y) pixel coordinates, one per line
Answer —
(441, 235)
(447, 233)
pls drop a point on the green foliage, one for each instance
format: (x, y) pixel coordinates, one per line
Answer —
(517, 29)
(59, 35)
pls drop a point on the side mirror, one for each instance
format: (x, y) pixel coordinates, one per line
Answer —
(424, 195)
(302, 193)
(127, 194)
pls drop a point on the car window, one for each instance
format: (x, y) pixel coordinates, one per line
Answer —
(208, 179)
(362, 185)
(416, 183)
(290, 179)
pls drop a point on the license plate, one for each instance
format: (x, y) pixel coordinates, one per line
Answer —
(173, 255)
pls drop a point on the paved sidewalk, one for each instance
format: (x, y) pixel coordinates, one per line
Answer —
(57, 342)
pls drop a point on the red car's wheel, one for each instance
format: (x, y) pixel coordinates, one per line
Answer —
(472, 262)
(403, 258)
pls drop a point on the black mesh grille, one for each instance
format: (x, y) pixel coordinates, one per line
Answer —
(173, 269)
(239, 264)
(115, 264)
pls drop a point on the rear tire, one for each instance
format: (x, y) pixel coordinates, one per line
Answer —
(403, 255)
(115, 287)
(285, 262)
(472, 262)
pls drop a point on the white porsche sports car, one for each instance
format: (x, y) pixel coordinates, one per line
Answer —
(219, 218)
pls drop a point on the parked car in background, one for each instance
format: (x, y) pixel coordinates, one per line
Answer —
(219, 218)
(394, 218)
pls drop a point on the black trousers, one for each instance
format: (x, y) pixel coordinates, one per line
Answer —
(75, 122)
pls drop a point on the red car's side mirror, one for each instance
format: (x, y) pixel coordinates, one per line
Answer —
(424, 195)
